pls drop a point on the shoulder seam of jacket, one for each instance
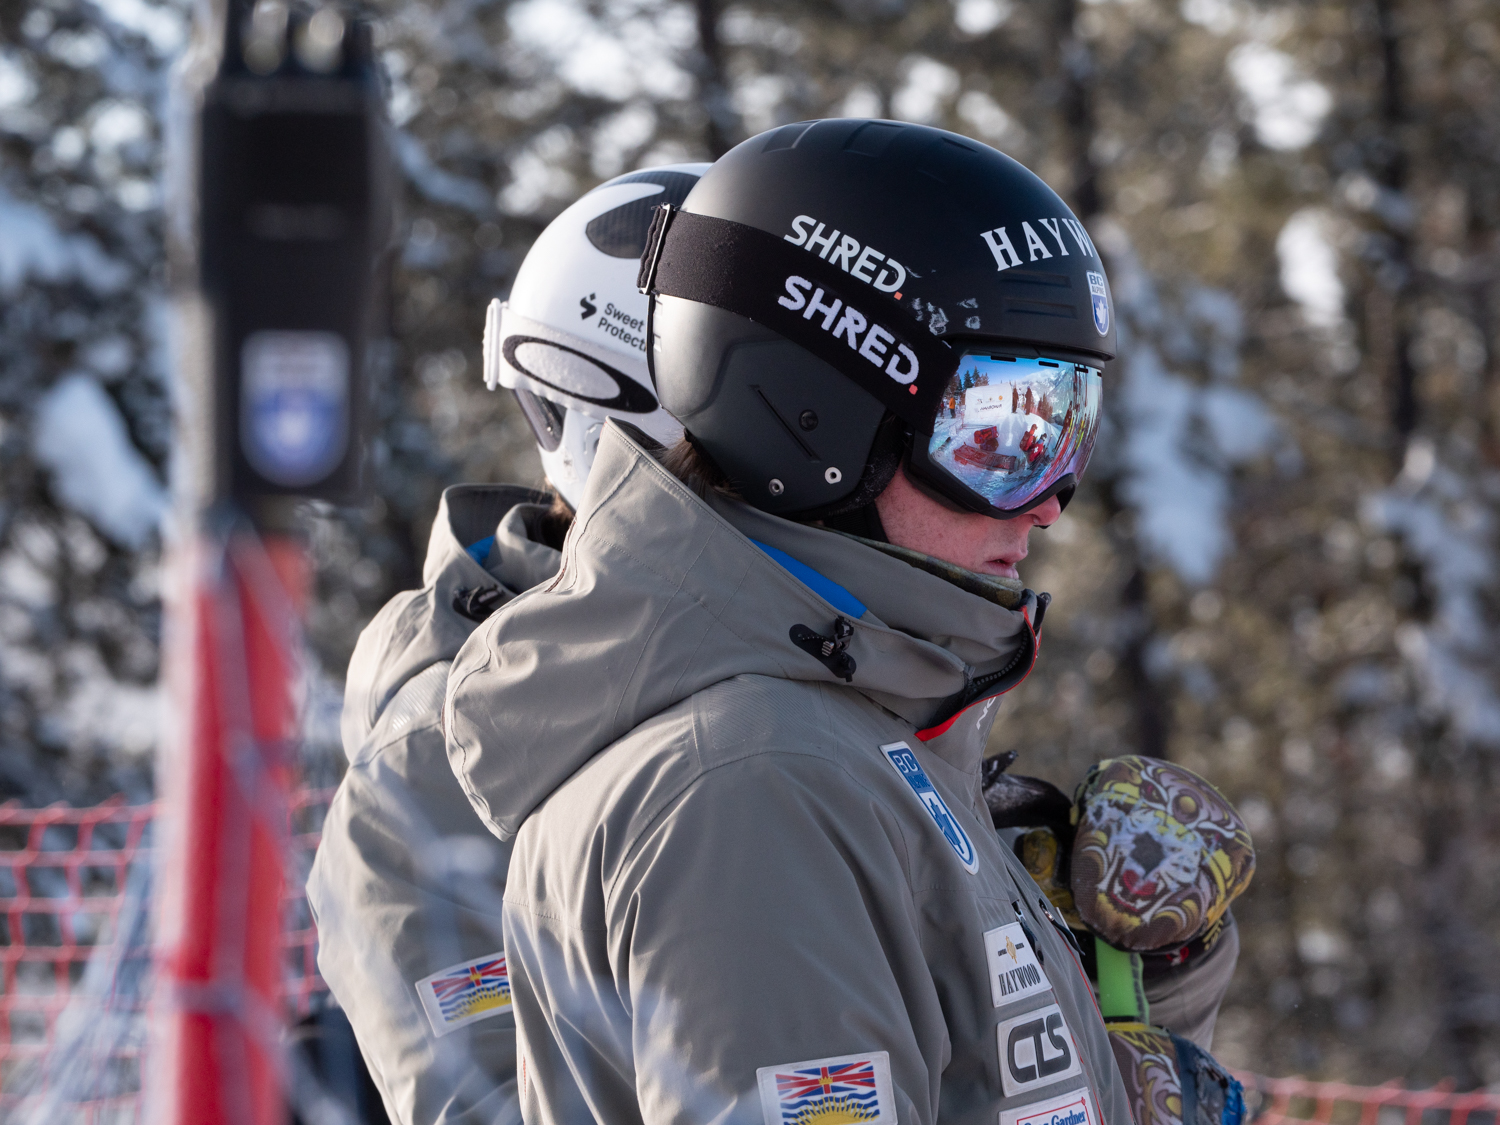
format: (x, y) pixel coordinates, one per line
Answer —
(476, 799)
(676, 798)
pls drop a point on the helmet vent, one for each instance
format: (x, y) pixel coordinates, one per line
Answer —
(621, 231)
(872, 138)
(1040, 308)
(787, 136)
(947, 161)
(808, 451)
(1036, 277)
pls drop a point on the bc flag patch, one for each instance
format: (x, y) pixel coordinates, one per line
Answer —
(836, 1091)
(905, 763)
(1072, 1108)
(463, 994)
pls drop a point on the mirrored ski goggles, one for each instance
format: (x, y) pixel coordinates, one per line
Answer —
(1010, 431)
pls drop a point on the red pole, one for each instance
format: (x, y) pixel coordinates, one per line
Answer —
(217, 1010)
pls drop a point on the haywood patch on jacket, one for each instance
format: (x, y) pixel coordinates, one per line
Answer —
(1012, 965)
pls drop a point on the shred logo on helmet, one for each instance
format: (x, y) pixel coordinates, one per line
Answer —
(571, 339)
(857, 261)
(902, 366)
(923, 299)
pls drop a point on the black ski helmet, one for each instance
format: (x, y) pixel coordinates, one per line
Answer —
(935, 248)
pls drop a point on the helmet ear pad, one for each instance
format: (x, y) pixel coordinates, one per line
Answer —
(791, 431)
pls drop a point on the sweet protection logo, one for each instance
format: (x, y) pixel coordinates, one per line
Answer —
(463, 994)
(834, 1091)
(905, 763)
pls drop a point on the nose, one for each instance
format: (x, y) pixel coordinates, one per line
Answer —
(1045, 515)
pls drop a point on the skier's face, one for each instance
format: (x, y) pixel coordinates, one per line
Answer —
(979, 543)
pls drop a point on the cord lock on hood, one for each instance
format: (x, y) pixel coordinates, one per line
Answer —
(832, 651)
(479, 603)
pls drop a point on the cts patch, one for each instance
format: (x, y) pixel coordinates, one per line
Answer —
(1100, 300)
(904, 762)
(1014, 970)
(1073, 1108)
(1036, 1049)
(843, 1089)
(463, 994)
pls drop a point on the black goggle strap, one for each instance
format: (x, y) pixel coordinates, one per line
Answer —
(864, 333)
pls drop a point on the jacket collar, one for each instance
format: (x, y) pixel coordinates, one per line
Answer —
(662, 595)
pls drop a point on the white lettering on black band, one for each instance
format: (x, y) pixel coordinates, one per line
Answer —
(811, 302)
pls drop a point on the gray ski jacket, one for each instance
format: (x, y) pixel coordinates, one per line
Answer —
(406, 885)
(746, 888)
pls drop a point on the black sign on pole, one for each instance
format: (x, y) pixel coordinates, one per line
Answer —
(292, 188)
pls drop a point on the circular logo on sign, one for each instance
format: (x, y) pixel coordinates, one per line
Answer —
(294, 405)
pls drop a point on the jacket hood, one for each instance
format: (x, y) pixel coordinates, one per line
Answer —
(418, 628)
(662, 594)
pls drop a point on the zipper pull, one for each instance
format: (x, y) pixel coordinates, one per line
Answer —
(1026, 929)
(1061, 927)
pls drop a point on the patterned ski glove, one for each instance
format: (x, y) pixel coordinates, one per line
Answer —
(1171, 1081)
(1143, 863)
(1148, 855)
(1158, 855)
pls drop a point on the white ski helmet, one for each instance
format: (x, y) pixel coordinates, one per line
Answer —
(571, 341)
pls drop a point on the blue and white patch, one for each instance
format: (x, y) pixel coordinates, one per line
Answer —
(1099, 296)
(904, 762)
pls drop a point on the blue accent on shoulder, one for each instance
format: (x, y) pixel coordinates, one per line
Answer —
(481, 550)
(826, 588)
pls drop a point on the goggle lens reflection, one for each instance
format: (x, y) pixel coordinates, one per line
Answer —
(1010, 428)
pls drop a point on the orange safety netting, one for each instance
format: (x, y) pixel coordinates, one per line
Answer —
(1290, 1101)
(63, 876)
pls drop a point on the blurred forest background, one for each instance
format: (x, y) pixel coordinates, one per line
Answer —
(1281, 570)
